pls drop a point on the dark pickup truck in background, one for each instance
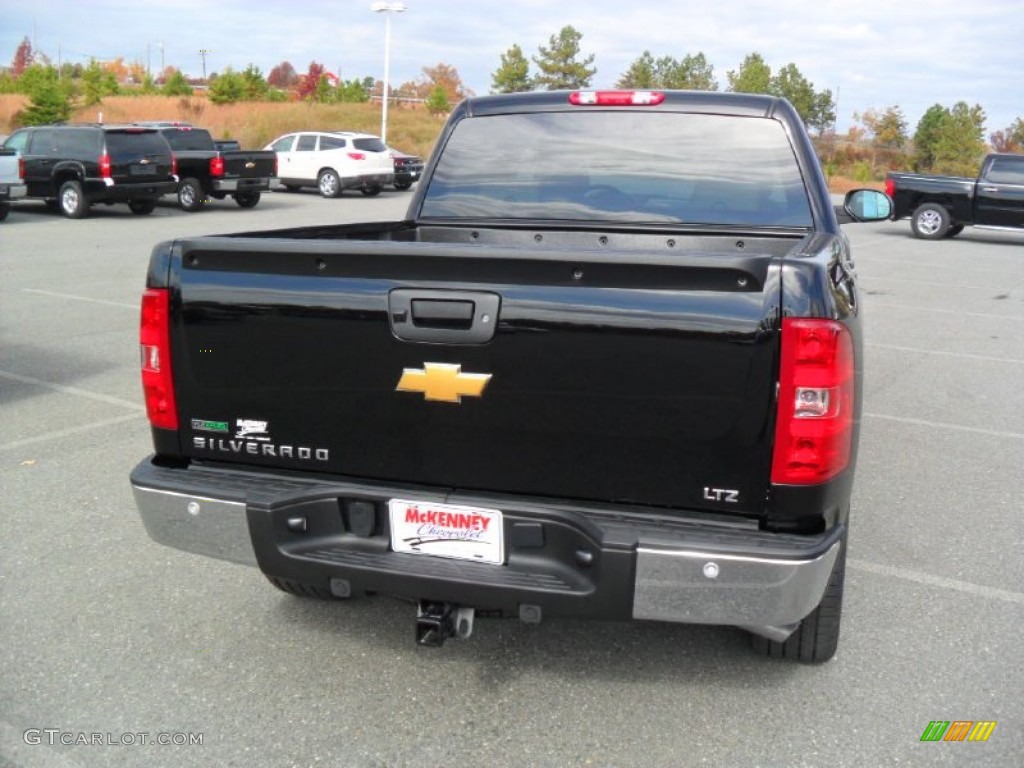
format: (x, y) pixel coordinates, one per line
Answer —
(588, 377)
(207, 171)
(941, 206)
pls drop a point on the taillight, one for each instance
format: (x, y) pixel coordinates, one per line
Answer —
(217, 166)
(155, 345)
(814, 428)
(616, 98)
(357, 155)
(21, 168)
(105, 171)
(174, 164)
(890, 187)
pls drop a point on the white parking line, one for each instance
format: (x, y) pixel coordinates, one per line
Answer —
(69, 432)
(919, 577)
(943, 425)
(965, 355)
(57, 295)
(99, 397)
(955, 312)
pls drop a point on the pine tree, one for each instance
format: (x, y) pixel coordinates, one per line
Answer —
(560, 67)
(513, 76)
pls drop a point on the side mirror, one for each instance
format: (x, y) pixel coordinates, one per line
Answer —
(864, 205)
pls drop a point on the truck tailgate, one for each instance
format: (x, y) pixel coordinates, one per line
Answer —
(622, 376)
(255, 164)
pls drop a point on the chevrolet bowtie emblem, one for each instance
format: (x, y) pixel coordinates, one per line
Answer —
(250, 165)
(443, 382)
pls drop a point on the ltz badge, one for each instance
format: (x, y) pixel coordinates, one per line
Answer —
(443, 382)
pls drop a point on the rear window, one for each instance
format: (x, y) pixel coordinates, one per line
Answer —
(188, 139)
(123, 145)
(331, 142)
(1006, 170)
(370, 145)
(72, 143)
(657, 167)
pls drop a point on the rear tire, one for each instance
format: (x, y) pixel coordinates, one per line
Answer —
(370, 190)
(4, 210)
(401, 186)
(247, 199)
(930, 221)
(816, 639)
(955, 230)
(71, 200)
(328, 183)
(141, 207)
(190, 195)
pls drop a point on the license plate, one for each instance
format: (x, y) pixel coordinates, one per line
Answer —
(143, 170)
(447, 530)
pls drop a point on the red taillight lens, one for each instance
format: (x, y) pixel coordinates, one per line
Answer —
(616, 98)
(155, 346)
(217, 166)
(890, 187)
(174, 165)
(21, 168)
(357, 155)
(814, 428)
(105, 171)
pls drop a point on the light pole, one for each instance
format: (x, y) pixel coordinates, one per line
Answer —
(387, 9)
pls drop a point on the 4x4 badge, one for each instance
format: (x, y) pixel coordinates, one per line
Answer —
(443, 382)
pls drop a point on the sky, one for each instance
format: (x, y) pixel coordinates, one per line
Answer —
(870, 55)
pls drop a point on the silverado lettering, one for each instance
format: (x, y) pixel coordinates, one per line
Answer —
(656, 292)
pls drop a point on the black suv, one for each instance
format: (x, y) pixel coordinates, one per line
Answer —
(74, 166)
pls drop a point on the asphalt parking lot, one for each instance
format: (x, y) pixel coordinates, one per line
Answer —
(104, 632)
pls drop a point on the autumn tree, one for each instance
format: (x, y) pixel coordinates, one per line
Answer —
(753, 76)
(888, 128)
(1010, 139)
(24, 57)
(560, 64)
(308, 82)
(513, 76)
(354, 91)
(283, 76)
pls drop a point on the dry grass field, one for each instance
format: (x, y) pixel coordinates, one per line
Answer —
(253, 124)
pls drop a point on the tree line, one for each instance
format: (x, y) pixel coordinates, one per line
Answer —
(946, 139)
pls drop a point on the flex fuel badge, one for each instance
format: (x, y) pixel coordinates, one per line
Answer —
(252, 438)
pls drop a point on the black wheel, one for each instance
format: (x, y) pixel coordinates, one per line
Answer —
(955, 230)
(370, 190)
(817, 637)
(141, 207)
(299, 589)
(190, 195)
(328, 183)
(71, 200)
(247, 199)
(930, 221)
(401, 186)
(4, 210)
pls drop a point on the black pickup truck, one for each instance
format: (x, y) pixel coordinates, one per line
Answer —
(585, 376)
(941, 206)
(208, 171)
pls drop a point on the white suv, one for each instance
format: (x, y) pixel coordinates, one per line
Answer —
(333, 161)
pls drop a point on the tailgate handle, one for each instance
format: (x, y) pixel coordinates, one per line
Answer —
(443, 317)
